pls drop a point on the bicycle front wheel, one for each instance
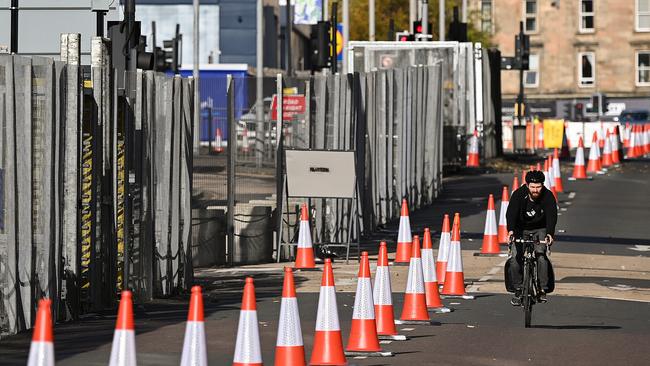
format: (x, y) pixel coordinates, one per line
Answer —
(527, 294)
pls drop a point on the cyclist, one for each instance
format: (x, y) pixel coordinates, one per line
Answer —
(532, 211)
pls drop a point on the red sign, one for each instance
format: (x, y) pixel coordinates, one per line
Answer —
(292, 105)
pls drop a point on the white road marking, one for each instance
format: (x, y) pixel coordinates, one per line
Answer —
(572, 195)
(385, 342)
(640, 248)
(408, 329)
(484, 278)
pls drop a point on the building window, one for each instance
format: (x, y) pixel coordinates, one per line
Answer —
(642, 15)
(586, 16)
(530, 16)
(643, 68)
(486, 16)
(531, 76)
(586, 69)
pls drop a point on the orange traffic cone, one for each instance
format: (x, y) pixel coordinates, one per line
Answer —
(557, 174)
(601, 137)
(539, 141)
(646, 139)
(523, 177)
(503, 223)
(607, 160)
(472, 152)
(41, 351)
(616, 152)
(305, 252)
(429, 272)
(414, 310)
(593, 165)
(363, 339)
(403, 253)
(579, 171)
(547, 176)
(289, 347)
(218, 141)
(551, 177)
(490, 235)
(123, 350)
(328, 344)
(247, 346)
(454, 279)
(382, 296)
(626, 135)
(564, 152)
(194, 349)
(443, 250)
(632, 150)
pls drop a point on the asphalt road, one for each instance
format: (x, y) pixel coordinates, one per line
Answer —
(606, 216)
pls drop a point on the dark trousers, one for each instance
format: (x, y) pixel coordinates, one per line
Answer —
(516, 260)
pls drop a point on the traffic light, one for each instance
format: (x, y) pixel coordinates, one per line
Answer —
(567, 112)
(579, 112)
(168, 57)
(598, 104)
(320, 45)
(418, 29)
(404, 37)
(522, 50)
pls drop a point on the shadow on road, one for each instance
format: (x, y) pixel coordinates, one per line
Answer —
(602, 240)
(577, 327)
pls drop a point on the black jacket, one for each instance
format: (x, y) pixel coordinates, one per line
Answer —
(522, 214)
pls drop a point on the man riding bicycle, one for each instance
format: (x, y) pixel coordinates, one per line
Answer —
(532, 212)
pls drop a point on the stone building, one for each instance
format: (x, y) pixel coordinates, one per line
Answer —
(578, 48)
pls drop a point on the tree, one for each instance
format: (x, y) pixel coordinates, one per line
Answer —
(398, 11)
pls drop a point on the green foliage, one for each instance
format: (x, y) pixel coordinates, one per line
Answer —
(398, 11)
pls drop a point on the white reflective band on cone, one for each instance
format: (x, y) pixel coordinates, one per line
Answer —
(41, 354)
(455, 262)
(363, 304)
(123, 351)
(194, 350)
(502, 213)
(556, 168)
(289, 332)
(404, 235)
(247, 348)
(428, 266)
(304, 235)
(490, 223)
(382, 292)
(443, 249)
(328, 316)
(415, 282)
(580, 156)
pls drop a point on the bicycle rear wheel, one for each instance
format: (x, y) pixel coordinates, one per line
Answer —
(527, 294)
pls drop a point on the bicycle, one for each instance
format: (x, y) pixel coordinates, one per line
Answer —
(531, 287)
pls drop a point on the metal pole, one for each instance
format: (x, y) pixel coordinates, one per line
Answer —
(232, 152)
(441, 19)
(288, 29)
(346, 34)
(14, 26)
(464, 11)
(195, 74)
(520, 95)
(326, 10)
(259, 103)
(100, 24)
(413, 13)
(371, 20)
(425, 18)
(333, 58)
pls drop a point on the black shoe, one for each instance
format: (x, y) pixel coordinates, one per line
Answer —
(542, 297)
(515, 301)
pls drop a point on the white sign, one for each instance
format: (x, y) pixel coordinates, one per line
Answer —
(615, 109)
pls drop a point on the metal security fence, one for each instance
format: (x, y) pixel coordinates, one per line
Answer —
(95, 184)
(392, 119)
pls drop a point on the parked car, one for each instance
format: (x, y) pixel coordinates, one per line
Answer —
(634, 116)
